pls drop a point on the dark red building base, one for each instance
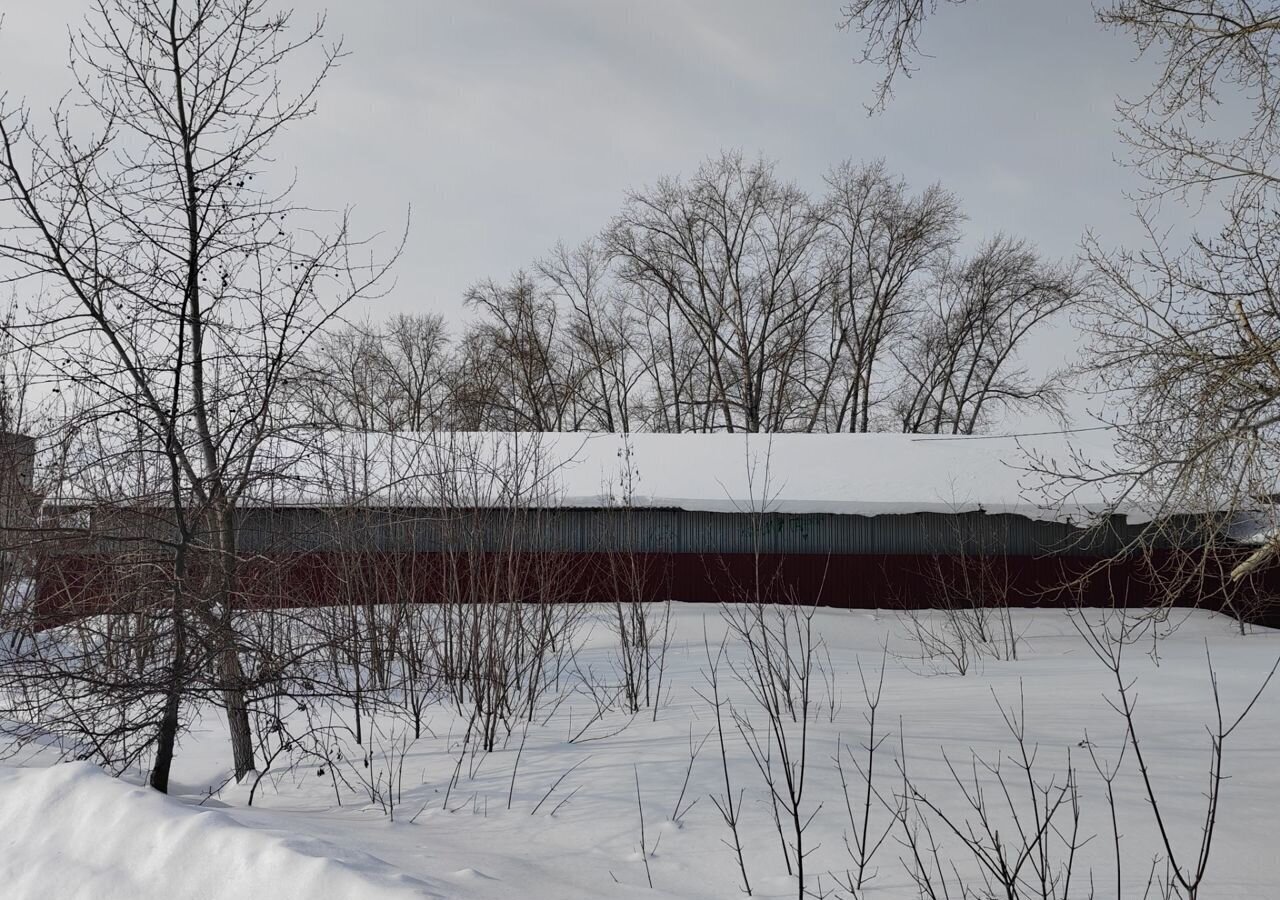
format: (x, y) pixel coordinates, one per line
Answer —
(70, 586)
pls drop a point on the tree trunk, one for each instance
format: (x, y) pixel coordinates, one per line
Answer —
(233, 678)
(166, 740)
(167, 737)
(233, 699)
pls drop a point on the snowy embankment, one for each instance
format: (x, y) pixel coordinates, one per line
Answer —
(71, 831)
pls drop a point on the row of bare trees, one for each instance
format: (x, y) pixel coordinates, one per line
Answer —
(731, 300)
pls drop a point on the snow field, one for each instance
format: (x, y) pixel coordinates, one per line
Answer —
(71, 831)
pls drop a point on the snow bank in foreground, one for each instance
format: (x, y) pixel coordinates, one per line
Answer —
(71, 831)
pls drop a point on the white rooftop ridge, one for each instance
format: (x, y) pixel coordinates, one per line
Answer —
(852, 474)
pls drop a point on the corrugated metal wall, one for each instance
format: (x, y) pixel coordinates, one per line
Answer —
(672, 531)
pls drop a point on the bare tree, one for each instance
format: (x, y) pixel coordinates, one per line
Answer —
(676, 373)
(600, 335)
(414, 364)
(960, 365)
(735, 251)
(338, 384)
(530, 385)
(177, 289)
(882, 244)
(1184, 337)
(388, 377)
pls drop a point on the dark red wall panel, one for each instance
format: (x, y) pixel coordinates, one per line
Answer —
(69, 586)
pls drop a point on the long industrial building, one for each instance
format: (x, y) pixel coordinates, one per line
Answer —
(849, 520)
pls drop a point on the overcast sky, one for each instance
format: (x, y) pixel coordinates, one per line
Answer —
(509, 124)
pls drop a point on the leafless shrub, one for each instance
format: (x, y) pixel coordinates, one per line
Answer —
(860, 841)
(642, 624)
(943, 637)
(779, 674)
(504, 635)
(297, 747)
(1184, 873)
(966, 596)
(380, 771)
(1018, 841)
(728, 804)
(778, 665)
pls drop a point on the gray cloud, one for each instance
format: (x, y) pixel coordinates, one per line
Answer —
(508, 124)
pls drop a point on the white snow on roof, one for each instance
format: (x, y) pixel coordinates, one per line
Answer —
(859, 474)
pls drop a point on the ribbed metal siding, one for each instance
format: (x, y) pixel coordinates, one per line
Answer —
(671, 531)
(917, 534)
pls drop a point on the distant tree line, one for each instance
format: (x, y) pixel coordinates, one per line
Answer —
(728, 301)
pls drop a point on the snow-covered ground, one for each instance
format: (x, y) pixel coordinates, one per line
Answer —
(571, 828)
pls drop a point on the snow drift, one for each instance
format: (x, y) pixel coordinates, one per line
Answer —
(72, 831)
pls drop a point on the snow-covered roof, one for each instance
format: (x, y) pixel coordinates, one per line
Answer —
(858, 474)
